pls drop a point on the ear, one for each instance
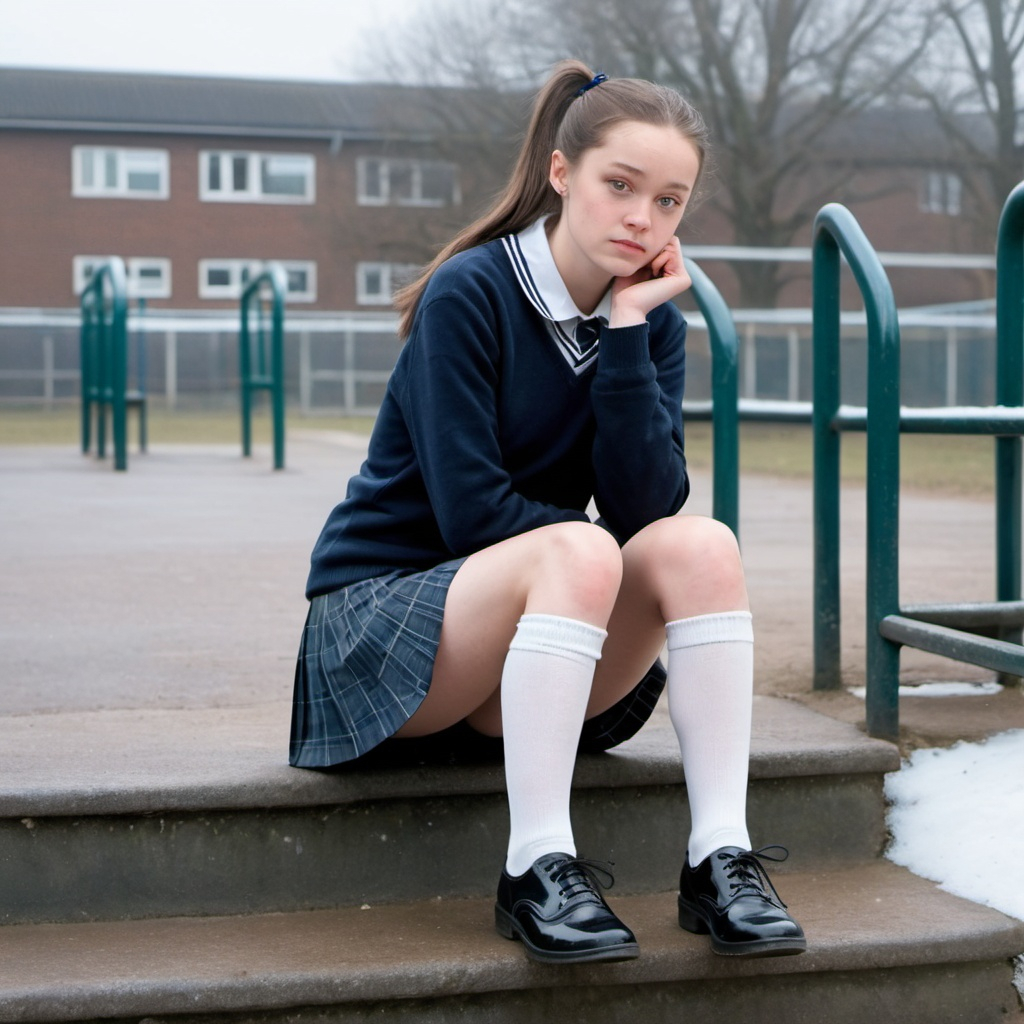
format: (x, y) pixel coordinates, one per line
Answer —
(558, 174)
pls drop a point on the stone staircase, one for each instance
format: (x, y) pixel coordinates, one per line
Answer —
(167, 865)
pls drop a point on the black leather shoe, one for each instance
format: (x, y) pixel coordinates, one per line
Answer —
(555, 909)
(730, 896)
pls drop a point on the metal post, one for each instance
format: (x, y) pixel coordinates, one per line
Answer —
(825, 339)
(724, 343)
(750, 361)
(305, 373)
(1009, 392)
(119, 366)
(270, 378)
(793, 365)
(350, 372)
(835, 229)
(951, 366)
(277, 375)
(171, 369)
(86, 347)
(245, 375)
(48, 371)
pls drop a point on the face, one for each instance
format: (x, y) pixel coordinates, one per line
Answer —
(622, 201)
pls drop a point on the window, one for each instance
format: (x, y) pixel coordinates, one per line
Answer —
(256, 177)
(226, 279)
(941, 192)
(119, 173)
(385, 182)
(301, 281)
(376, 283)
(148, 278)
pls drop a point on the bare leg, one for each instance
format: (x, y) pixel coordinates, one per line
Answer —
(686, 573)
(568, 569)
(674, 569)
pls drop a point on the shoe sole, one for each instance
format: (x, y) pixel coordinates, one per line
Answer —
(690, 920)
(507, 928)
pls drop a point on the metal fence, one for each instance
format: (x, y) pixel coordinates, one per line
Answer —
(339, 362)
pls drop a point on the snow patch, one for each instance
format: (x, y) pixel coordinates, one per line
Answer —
(956, 816)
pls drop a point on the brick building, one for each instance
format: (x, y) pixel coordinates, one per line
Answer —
(196, 181)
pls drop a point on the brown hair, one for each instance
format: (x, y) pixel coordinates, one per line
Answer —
(572, 122)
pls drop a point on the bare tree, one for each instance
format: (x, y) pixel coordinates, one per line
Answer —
(772, 77)
(972, 83)
(775, 79)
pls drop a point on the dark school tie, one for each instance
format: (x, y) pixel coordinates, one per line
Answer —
(587, 332)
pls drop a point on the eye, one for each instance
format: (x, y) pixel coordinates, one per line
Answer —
(618, 185)
(668, 202)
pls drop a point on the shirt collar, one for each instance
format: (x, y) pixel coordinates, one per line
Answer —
(541, 282)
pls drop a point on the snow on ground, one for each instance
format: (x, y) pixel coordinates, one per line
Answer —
(939, 690)
(957, 817)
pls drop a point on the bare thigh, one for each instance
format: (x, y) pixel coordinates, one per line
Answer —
(569, 569)
(672, 569)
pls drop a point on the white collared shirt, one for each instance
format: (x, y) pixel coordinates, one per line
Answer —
(543, 285)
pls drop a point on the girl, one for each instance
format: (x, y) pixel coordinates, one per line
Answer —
(461, 587)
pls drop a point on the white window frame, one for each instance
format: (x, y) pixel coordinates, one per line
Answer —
(307, 267)
(124, 158)
(253, 191)
(392, 277)
(139, 286)
(942, 192)
(242, 271)
(416, 168)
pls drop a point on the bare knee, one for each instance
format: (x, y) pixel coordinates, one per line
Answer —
(576, 570)
(693, 565)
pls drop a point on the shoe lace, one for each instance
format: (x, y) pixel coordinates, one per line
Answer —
(747, 874)
(579, 877)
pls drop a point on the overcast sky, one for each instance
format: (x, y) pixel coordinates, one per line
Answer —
(309, 39)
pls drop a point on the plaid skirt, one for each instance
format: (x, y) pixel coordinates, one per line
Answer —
(364, 666)
(365, 662)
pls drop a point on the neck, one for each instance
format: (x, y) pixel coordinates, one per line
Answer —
(584, 286)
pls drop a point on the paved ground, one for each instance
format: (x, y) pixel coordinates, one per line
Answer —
(179, 583)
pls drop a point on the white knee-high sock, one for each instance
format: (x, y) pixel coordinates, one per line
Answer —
(545, 687)
(710, 691)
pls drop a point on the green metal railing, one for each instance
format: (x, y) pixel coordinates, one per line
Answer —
(980, 633)
(261, 353)
(103, 349)
(835, 231)
(724, 408)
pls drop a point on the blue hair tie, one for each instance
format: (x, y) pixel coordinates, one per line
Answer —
(596, 80)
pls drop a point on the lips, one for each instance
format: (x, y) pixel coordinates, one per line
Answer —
(628, 246)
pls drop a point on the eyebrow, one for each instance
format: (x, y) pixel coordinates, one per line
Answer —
(680, 186)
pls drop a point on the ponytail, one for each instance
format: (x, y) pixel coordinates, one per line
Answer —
(573, 112)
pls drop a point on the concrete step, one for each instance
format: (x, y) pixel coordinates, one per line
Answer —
(883, 946)
(153, 813)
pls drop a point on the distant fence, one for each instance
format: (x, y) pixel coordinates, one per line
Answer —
(340, 362)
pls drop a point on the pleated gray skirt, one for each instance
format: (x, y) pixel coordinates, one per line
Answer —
(365, 662)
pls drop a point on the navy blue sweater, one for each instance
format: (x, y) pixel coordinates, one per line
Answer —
(486, 432)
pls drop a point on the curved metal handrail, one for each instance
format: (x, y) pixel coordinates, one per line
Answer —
(837, 231)
(724, 343)
(103, 347)
(263, 377)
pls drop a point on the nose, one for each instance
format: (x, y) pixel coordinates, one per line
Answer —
(638, 218)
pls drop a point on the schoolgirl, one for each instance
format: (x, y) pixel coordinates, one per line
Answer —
(461, 588)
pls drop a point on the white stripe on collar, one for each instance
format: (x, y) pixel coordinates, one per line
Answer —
(535, 268)
(538, 276)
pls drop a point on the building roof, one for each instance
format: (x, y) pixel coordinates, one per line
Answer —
(178, 104)
(117, 101)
